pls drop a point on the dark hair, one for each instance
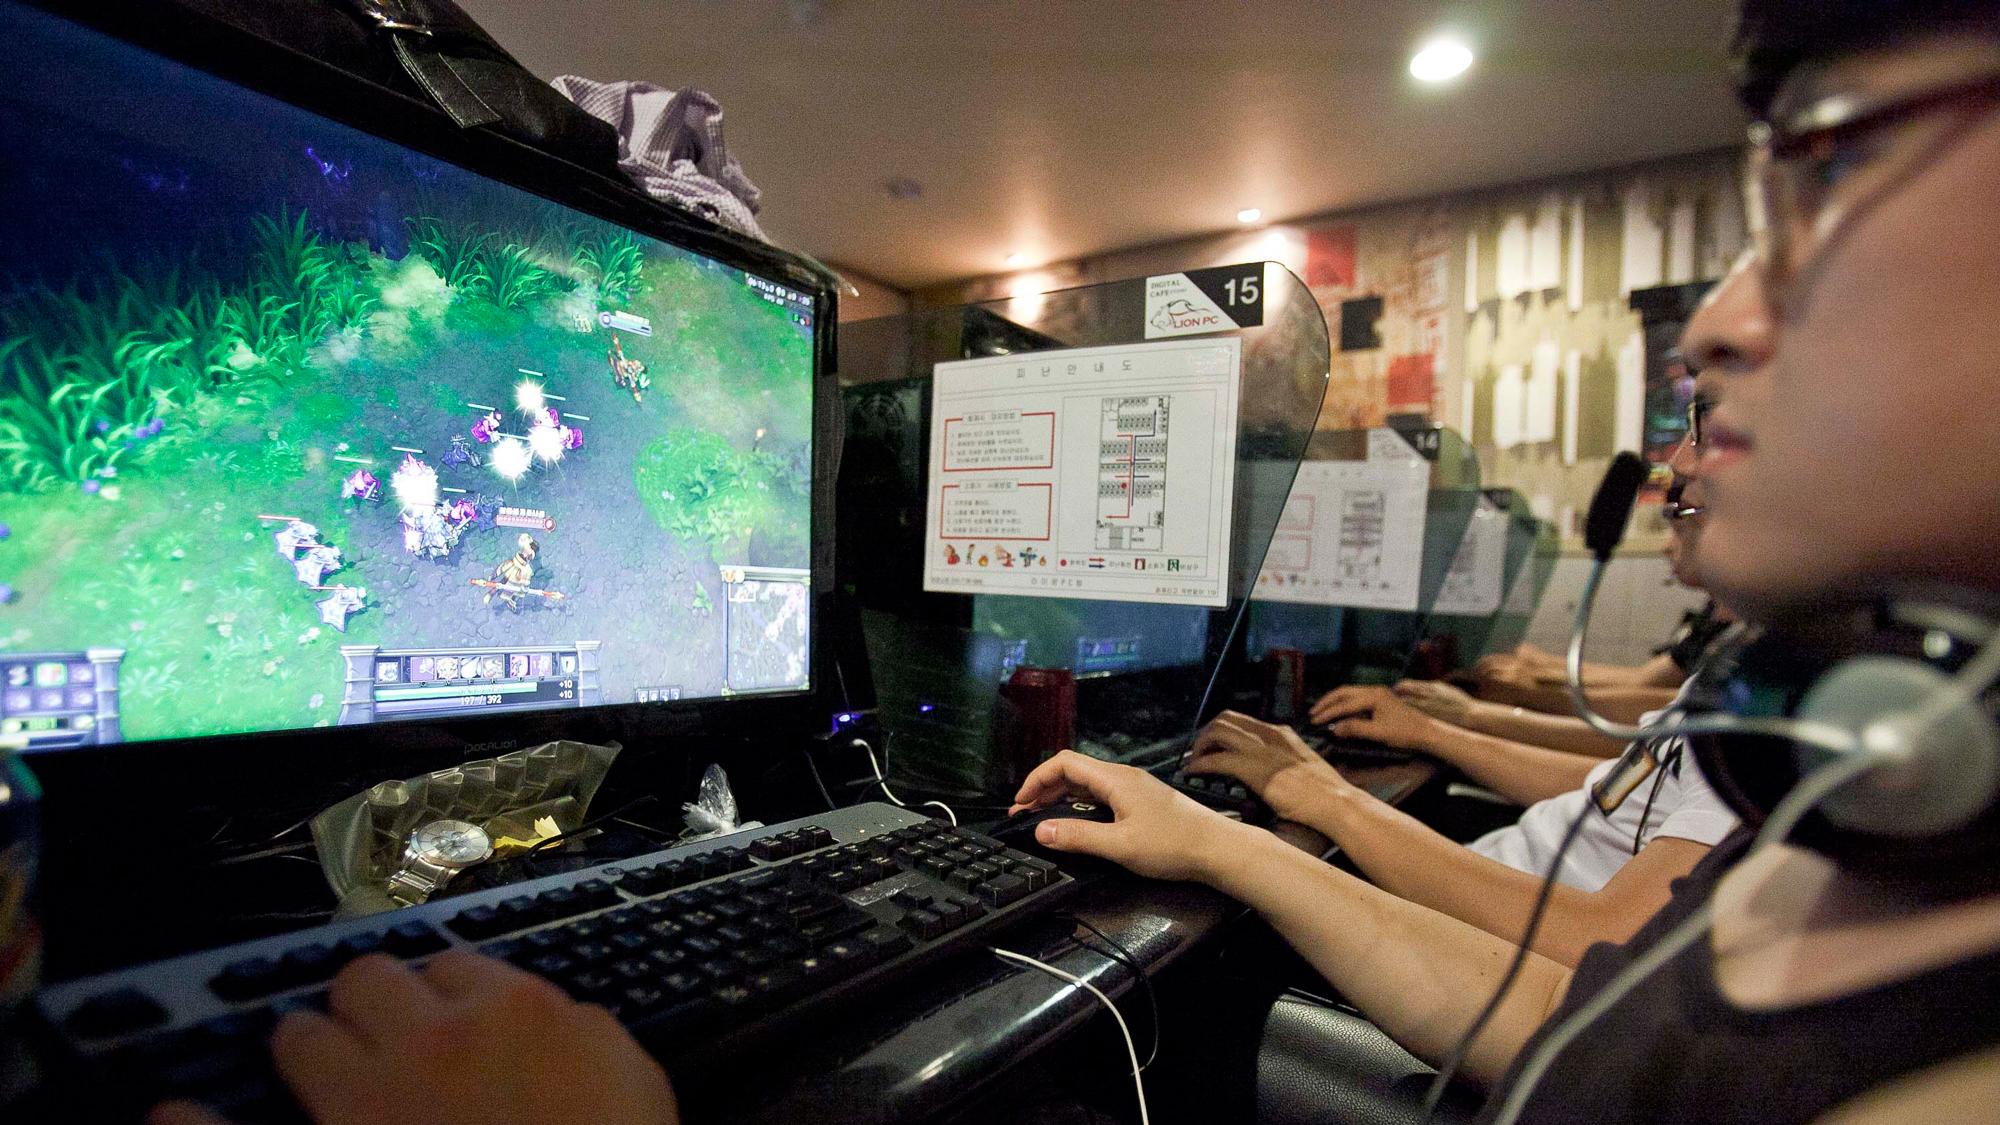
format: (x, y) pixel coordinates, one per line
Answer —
(1773, 37)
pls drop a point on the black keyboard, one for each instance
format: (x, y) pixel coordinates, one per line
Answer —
(700, 950)
(1224, 794)
(1353, 751)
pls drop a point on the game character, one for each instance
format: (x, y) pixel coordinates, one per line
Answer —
(950, 555)
(572, 438)
(1005, 556)
(628, 374)
(316, 563)
(361, 485)
(295, 534)
(485, 430)
(461, 452)
(447, 667)
(1028, 556)
(345, 602)
(516, 575)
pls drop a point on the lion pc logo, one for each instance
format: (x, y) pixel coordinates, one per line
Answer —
(1180, 315)
(1222, 299)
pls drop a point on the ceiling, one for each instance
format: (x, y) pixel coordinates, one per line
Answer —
(1061, 128)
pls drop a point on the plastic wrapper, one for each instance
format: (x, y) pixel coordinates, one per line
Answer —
(516, 796)
(713, 811)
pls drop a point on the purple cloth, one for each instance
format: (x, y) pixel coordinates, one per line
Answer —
(670, 144)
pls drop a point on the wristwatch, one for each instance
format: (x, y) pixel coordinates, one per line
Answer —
(436, 852)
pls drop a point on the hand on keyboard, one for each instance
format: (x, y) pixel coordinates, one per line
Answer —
(1378, 714)
(1272, 760)
(1158, 832)
(467, 1038)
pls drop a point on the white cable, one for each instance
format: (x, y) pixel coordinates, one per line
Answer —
(889, 793)
(1131, 1049)
(1786, 816)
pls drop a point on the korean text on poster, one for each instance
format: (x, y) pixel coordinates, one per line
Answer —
(1352, 534)
(1104, 473)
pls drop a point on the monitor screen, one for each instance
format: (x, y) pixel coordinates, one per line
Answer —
(301, 428)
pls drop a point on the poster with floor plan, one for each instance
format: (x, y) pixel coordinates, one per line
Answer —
(1105, 473)
(1472, 585)
(1352, 534)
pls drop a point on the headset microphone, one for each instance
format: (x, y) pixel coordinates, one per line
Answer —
(1935, 746)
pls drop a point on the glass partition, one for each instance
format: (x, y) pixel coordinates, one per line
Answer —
(1538, 545)
(1362, 635)
(1143, 650)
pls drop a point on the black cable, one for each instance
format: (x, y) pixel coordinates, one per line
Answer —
(819, 781)
(587, 825)
(1124, 957)
(1671, 761)
(1456, 1058)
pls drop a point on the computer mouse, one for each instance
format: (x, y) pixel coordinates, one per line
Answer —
(1021, 826)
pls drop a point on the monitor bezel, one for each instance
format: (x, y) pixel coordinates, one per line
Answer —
(291, 769)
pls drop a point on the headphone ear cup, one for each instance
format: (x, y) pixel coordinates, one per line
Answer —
(1948, 771)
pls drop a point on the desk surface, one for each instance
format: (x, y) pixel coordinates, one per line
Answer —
(953, 1031)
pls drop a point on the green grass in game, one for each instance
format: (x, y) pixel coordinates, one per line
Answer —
(149, 418)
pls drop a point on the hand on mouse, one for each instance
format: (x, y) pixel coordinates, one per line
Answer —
(473, 1039)
(1157, 833)
(1272, 760)
(1377, 714)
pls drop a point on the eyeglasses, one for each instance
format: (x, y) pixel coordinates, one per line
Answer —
(1699, 408)
(1815, 168)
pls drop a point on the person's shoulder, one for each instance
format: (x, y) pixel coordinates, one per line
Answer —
(1966, 1089)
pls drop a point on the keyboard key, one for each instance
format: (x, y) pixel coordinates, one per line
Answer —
(596, 893)
(816, 837)
(248, 979)
(310, 964)
(413, 939)
(759, 880)
(1002, 890)
(111, 1014)
(951, 914)
(589, 984)
(769, 848)
(476, 923)
(359, 945)
(1035, 879)
(733, 859)
(923, 923)
(885, 941)
(592, 951)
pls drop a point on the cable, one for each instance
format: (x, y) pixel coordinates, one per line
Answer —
(1785, 817)
(534, 851)
(1668, 761)
(1138, 1080)
(887, 792)
(1124, 957)
(820, 781)
(1463, 1047)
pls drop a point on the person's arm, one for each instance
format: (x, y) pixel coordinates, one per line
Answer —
(1519, 772)
(1622, 704)
(1515, 724)
(1407, 858)
(1530, 664)
(1418, 974)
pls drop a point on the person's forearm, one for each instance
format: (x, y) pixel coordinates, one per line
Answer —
(1418, 974)
(1408, 859)
(1551, 732)
(1517, 771)
(1619, 704)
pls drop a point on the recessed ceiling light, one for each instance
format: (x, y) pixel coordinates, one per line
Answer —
(1249, 215)
(1441, 60)
(1013, 260)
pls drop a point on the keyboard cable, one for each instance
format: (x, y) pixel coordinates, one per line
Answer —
(887, 792)
(1131, 1049)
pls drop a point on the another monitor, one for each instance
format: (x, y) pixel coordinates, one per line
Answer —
(302, 427)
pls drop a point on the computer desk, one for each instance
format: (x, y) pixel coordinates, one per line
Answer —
(952, 1032)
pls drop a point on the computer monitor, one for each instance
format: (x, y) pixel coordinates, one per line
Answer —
(323, 431)
(338, 443)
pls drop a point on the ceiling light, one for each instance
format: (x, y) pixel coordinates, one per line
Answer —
(1249, 215)
(1440, 60)
(903, 188)
(1013, 260)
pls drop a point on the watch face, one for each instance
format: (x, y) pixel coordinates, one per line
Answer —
(452, 843)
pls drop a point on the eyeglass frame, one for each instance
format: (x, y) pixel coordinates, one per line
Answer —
(1776, 143)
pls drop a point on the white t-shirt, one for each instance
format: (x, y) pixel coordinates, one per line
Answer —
(1684, 809)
